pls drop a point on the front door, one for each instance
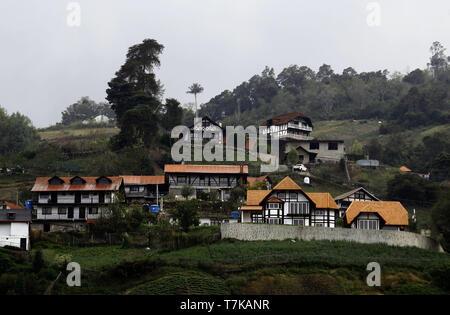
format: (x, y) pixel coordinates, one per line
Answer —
(23, 243)
(70, 213)
(82, 213)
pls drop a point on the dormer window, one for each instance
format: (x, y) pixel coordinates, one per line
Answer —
(77, 180)
(55, 180)
(103, 180)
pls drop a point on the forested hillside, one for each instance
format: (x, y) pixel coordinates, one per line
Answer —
(418, 98)
(410, 112)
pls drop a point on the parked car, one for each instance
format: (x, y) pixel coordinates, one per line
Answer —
(299, 168)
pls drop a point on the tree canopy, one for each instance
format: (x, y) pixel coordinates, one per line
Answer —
(421, 97)
(135, 96)
(17, 132)
(86, 109)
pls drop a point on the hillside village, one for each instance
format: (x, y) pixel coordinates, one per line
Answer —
(74, 203)
(362, 174)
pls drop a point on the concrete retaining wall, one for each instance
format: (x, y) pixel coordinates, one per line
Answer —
(264, 232)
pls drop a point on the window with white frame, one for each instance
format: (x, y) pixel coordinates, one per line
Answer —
(273, 205)
(319, 212)
(93, 210)
(293, 196)
(257, 218)
(300, 222)
(368, 224)
(298, 208)
(46, 210)
(282, 196)
(62, 210)
(274, 221)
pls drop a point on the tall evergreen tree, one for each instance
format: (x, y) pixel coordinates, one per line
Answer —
(134, 95)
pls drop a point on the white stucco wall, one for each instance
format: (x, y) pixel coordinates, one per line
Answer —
(12, 232)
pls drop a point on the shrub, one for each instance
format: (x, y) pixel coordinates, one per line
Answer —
(440, 275)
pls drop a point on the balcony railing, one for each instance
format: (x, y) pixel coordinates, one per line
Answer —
(301, 127)
(295, 136)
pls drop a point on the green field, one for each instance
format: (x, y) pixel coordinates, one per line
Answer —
(364, 130)
(236, 267)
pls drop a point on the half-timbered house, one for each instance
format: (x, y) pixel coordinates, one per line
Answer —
(205, 178)
(204, 128)
(377, 215)
(68, 203)
(294, 132)
(359, 194)
(287, 203)
(325, 211)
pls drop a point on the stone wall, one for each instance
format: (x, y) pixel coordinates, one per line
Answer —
(264, 232)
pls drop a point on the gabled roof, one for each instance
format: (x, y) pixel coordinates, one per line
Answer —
(287, 184)
(255, 197)
(348, 193)
(285, 118)
(392, 212)
(42, 184)
(251, 208)
(10, 205)
(77, 177)
(275, 200)
(206, 169)
(404, 169)
(323, 200)
(205, 118)
(143, 180)
(253, 180)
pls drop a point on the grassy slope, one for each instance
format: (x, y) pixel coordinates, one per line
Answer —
(364, 130)
(270, 267)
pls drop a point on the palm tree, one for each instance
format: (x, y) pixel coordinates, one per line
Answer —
(195, 89)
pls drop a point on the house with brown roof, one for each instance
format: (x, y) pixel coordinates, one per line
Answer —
(68, 203)
(294, 132)
(265, 179)
(14, 225)
(287, 203)
(377, 215)
(359, 194)
(144, 188)
(205, 178)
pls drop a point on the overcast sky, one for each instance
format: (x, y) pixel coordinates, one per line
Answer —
(46, 65)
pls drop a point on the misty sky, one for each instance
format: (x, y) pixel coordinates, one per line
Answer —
(46, 65)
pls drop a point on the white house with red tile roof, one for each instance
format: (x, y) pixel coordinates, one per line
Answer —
(67, 203)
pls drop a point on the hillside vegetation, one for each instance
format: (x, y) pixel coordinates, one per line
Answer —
(271, 267)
